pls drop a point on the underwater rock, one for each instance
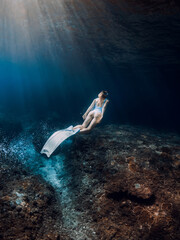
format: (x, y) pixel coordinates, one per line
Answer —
(29, 209)
(141, 191)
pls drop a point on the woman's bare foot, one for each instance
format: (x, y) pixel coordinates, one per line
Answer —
(84, 130)
(77, 126)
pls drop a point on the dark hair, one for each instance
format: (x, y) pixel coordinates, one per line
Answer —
(105, 94)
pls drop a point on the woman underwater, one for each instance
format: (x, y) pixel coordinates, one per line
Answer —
(94, 113)
(92, 116)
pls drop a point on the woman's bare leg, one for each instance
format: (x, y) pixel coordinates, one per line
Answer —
(85, 123)
(93, 123)
(87, 120)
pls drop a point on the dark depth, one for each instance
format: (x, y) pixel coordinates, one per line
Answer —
(55, 57)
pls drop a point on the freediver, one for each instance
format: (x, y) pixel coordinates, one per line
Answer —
(94, 113)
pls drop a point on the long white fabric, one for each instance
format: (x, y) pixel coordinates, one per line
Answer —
(56, 139)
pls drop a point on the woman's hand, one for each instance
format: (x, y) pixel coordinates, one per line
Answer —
(84, 116)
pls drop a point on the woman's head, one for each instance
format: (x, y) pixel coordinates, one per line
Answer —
(103, 94)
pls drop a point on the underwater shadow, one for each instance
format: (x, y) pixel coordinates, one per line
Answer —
(118, 196)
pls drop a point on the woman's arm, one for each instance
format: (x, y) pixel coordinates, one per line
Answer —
(90, 107)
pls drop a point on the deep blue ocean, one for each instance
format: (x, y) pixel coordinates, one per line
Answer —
(56, 56)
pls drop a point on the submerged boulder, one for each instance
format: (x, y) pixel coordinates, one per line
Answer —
(29, 209)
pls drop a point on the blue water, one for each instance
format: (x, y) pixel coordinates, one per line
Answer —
(55, 57)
